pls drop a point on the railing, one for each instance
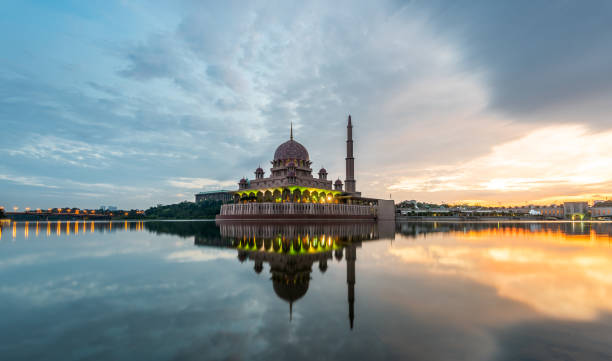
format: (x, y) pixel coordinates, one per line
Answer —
(296, 209)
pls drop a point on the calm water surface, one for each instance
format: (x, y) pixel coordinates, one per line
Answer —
(196, 290)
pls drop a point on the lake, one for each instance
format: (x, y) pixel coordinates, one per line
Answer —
(195, 290)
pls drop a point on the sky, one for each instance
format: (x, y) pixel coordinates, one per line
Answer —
(134, 103)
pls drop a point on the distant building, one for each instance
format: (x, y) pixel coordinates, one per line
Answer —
(602, 209)
(552, 211)
(575, 209)
(220, 195)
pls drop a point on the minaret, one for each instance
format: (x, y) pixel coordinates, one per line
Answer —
(349, 183)
(351, 256)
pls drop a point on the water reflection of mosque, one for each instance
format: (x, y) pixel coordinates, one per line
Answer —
(290, 249)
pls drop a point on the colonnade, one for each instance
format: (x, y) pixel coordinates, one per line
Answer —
(297, 209)
(281, 195)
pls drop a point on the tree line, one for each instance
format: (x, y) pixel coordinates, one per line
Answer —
(185, 210)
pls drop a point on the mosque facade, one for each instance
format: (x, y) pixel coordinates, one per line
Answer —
(292, 191)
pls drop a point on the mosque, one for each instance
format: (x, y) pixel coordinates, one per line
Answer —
(291, 191)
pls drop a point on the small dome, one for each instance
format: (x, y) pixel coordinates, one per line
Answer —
(323, 266)
(291, 150)
(242, 256)
(338, 182)
(259, 170)
(243, 181)
(323, 170)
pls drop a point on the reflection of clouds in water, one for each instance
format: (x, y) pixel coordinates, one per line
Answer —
(89, 246)
(436, 298)
(23, 260)
(199, 255)
(77, 287)
(558, 275)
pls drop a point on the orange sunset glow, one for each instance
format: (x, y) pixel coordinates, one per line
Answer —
(542, 268)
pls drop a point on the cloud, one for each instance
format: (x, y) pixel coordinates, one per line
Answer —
(572, 160)
(537, 57)
(199, 183)
(28, 181)
(69, 151)
(207, 91)
(198, 255)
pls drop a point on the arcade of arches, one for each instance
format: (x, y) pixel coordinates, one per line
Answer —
(287, 194)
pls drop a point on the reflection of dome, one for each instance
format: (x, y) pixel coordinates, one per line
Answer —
(291, 150)
(290, 291)
(323, 265)
(242, 256)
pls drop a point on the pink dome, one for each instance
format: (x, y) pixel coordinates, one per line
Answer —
(291, 150)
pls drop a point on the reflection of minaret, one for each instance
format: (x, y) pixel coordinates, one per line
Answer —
(349, 183)
(351, 256)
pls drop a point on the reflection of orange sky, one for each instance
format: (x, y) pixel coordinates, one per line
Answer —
(560, 275)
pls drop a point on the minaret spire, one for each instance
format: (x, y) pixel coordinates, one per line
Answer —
(291, 133)
(349, 183)
(351, 257)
